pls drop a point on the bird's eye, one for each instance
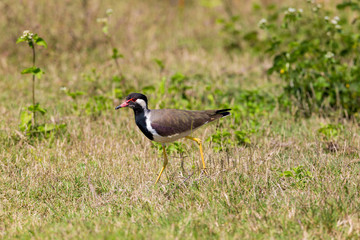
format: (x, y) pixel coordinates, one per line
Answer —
(131, 100)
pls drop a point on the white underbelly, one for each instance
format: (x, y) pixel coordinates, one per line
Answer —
(172, 138)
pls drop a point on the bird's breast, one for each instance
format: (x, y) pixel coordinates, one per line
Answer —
(141, 121)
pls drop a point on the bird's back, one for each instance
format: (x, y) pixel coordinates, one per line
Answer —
(169, 122)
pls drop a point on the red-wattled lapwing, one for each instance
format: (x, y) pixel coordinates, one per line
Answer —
(169, 125)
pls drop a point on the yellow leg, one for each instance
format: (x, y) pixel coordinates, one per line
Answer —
(164, 165)
(198, 141)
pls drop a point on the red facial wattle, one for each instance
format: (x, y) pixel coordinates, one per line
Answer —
(126, 103)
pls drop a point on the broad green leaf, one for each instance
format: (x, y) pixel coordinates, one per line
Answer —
(34, 70)
(38, 73)
(28, 70)
(41, 42)
(20, 39)
(287, 174)
(162, 86)
(116, 54)
(37, 108)
(25, 120)
(49, 127)
(159, 63)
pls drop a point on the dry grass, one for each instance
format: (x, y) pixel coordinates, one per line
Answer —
(96, 180)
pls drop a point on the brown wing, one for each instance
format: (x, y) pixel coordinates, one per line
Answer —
(168, 122)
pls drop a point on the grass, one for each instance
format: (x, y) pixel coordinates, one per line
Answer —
(96, 179)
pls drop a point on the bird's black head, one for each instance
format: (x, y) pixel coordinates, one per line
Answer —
(136, 101)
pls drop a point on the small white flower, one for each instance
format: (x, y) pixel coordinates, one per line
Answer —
(315, 9)
(291, 10)
(326, 18)
(337, 26)
(334, 22)
(336, 18)
(27, 35)
(109, 11)
(300, 10)
(318, 5)
(329, 55)
(63, 89)
(262, 22)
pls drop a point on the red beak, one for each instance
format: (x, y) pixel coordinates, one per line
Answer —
(124, 104)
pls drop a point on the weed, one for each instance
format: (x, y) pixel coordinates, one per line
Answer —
(330, 132)
(32, 39)
(316, 61)
(116, 55)
(160, 64)
(171, 148)
(299, 175)
(28, 122)
(221, 140)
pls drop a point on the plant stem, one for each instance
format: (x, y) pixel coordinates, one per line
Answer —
(33, 87)
(110, 41)
(115, 59)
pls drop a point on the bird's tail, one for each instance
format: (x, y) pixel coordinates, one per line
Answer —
(223, 112)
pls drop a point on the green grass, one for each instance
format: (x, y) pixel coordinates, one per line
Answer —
(96, 179)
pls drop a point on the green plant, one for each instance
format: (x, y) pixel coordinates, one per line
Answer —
(316, 57)
(330, 131)
(116, 55)
(74, 96)
(221, 140)
(237, 37)
(97, 100)
(32, 39)
(160, 64)
(179, 83)
(96, 105)
(299, 174)
(171, 148)
(28, 120)
(47, 130)
(243, 137)
(231, 31)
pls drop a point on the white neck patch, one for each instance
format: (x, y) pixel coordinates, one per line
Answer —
(141, 102)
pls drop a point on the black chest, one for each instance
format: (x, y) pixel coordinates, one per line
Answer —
(140, 120)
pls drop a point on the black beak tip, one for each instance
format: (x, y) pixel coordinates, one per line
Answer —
(117, 107)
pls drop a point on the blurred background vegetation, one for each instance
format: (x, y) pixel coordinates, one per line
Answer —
(204, 52)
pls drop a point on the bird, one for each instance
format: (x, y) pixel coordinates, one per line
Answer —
(168, 125)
